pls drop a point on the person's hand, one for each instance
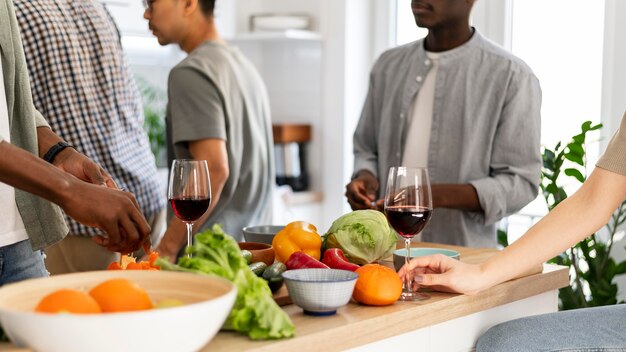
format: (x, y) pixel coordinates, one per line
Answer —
(443, 273)
(361, 192)
(79, 165)
(114, 211)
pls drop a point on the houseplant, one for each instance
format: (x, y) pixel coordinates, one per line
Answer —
(154, 101)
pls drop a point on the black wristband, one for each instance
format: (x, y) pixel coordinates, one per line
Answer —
(54, 150)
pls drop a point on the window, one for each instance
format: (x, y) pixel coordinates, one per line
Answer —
(562, 41)
(406, 29)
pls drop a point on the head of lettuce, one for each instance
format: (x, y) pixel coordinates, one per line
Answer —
(363, 235)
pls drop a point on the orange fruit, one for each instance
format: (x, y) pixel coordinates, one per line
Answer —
(377, 285)
(120, 295)
(68, 301)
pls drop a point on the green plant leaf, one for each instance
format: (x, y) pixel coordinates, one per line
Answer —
(576, 149)
(575, 158)
(620, 269)
(576, 174)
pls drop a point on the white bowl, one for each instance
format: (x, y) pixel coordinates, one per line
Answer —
(400, 254)
(320, 291)
(207, 302)
(261, 233)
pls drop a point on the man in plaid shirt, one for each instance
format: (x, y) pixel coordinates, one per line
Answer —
(82, 84)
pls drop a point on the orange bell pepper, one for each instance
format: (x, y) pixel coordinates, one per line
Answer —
(297, 236)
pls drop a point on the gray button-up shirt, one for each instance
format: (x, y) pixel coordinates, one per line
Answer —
(485, 131)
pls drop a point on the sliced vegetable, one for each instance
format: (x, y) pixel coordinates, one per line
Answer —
(128, 262)
(297, 236)
(301, 260)
(258, 268)
(335, 259)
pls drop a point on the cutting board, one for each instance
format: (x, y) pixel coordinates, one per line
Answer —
(468, 255)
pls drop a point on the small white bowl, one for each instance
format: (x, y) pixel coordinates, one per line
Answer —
(320, 291)
(207, 302)
(400, 254)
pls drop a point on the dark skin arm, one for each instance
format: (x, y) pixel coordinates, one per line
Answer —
(361, 194)
(116, 212)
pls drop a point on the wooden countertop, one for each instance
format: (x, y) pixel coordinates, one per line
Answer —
(355, 324)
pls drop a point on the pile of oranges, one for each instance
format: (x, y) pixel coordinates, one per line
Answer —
(114, 295)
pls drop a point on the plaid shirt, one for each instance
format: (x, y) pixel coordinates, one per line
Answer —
(82, 84)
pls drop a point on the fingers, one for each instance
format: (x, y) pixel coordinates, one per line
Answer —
(108, 180)
(358, 197)
(94, 173)
(130, 238)
(132, 199)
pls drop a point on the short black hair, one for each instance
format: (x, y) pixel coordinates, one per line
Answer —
(207, 6)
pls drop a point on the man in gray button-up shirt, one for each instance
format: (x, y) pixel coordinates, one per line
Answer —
(484, 150)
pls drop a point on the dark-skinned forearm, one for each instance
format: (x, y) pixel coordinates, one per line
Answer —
(46, 139)
(456, 196)
(23, 170)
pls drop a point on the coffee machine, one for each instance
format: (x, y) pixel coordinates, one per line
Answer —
(290, 142)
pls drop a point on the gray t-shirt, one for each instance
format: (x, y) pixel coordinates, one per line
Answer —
(217, 93)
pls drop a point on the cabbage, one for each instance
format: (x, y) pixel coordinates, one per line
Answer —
(363, 235)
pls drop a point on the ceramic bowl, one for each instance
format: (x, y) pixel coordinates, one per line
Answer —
(206, 303)
(261, 233)
(261, 252)
(320, 291)
(399, 254)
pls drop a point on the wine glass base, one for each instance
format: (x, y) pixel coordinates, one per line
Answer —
(413, 296)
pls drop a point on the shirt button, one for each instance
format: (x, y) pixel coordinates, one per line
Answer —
(401, 116)
(418, 78)
(398, 155)
(427, 62)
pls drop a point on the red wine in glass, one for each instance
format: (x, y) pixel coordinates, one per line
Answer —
(189, 209)
(407, 220)
(408, 208)
(189, 191)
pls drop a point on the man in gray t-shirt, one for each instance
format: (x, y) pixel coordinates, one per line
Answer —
(217, 111)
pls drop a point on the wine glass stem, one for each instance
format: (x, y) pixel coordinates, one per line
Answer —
(189, 231)
(407, 258)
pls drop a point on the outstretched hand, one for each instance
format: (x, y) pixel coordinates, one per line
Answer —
(443, 273)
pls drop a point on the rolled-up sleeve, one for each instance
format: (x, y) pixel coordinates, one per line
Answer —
(515, 167)
(40, 121)
(614, 158)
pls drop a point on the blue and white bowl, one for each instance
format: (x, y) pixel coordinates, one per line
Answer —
(400, 254)
(320, 291)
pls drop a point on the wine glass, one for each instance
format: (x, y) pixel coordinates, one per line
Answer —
(408, 207)
(189, 191)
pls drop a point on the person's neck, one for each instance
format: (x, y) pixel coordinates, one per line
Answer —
(203, 31)
(443, 39)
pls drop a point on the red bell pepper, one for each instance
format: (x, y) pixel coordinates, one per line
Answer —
(335, 259)
(301, 260)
